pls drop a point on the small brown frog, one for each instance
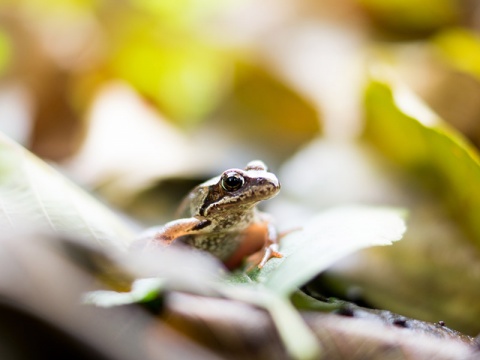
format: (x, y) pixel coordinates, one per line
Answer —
(224, 219)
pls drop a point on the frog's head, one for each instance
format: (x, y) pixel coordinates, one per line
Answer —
(237, 189)
(254, 183)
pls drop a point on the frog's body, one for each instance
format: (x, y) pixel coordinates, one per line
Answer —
(223, 218)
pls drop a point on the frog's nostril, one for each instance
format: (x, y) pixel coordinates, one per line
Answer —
(268, 182)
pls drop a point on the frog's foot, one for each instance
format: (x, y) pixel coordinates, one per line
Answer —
(271, 251)
(260, 258)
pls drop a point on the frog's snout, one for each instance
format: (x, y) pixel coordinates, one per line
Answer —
(269, 182)
(276, 183)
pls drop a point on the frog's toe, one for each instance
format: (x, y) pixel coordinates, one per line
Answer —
(270, 252)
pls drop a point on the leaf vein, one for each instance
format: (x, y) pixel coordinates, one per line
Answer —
(36, 193)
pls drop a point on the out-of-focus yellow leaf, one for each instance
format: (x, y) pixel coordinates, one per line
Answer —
(182, 13)
(46, 8)
(461, 48)
(5, 52)
(184, 77)
(163, 49)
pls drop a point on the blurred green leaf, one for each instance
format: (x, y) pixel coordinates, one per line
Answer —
(444, 72)
(405, 130)
(143, 290)
(419, 277)
(35, 197)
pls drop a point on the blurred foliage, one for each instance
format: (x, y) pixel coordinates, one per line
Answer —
(5, 51)
(407, 18)
(444, 218)
(229, 81)
(187, 74)
(180, 71)
(171, 53)
(461, 48)
(426, 146)
(164, 50)
(37, 198)
(443, 72)
(265, 113)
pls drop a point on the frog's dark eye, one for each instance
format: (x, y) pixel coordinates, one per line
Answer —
(232, 181)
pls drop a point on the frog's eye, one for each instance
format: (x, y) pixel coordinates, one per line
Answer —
(232, 181)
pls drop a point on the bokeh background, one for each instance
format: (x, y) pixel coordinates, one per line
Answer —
(137, 101)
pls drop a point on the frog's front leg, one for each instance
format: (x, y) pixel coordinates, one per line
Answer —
(175, 229)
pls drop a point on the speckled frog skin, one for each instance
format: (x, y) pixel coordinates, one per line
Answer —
(224, 220)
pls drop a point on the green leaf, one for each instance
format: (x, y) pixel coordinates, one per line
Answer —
(406, 131)
(143, 290)
(325, 239)
(33, 196)
(303, 301)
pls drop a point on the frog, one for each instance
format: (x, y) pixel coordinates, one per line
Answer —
(223, 219)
